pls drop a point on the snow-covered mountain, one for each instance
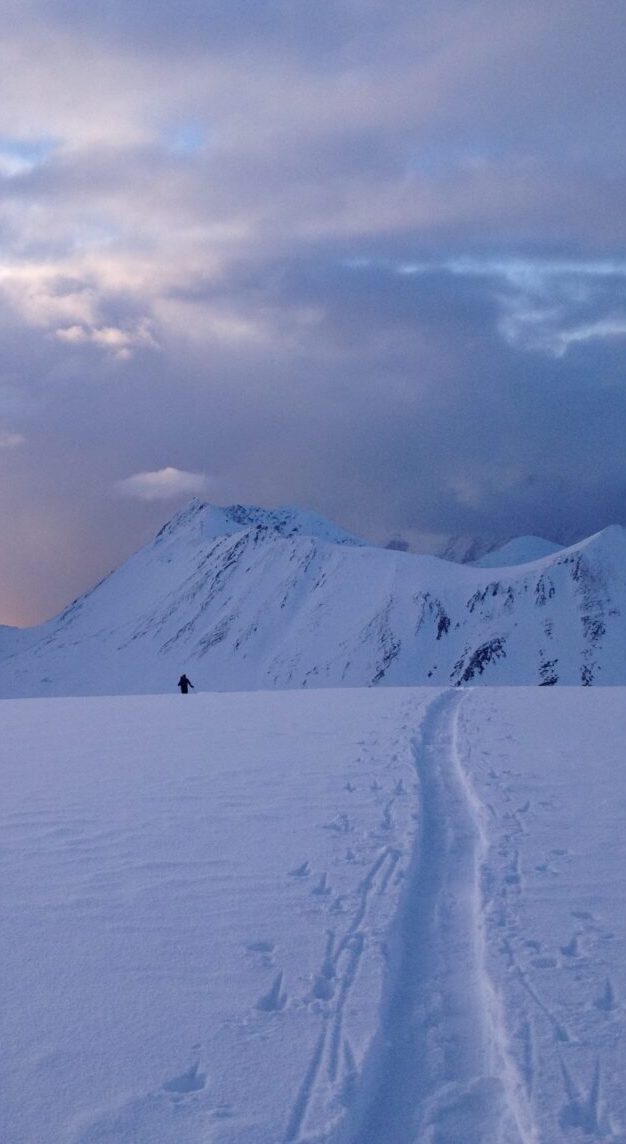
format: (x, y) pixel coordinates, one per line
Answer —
(245, 598)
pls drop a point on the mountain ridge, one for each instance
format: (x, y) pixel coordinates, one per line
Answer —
(247, 598)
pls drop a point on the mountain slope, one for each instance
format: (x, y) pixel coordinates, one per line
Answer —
(251, 607)
(521, 550)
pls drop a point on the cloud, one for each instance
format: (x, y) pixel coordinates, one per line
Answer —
(119, 343)
(368, 258)
(546, 304)
(164, 484)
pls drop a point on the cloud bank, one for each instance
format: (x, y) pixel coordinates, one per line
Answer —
(369, 259)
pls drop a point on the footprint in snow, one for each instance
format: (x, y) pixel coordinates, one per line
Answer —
(572, 948)
(190, 1081)
(324, 988)
(582, 1109)
(260, 947)
(322, 889)
(607, 1001)
(274, 1000)
(341, 823)
(386, 822)
(261, 953)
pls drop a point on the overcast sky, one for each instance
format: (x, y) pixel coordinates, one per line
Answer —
(367, 258)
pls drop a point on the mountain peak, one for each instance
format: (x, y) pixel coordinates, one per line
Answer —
(206, 521)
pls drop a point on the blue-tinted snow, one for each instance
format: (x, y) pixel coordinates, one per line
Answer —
(332, 916)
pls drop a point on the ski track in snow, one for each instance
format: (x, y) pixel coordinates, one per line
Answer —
(441, 1072)
(332, 1061)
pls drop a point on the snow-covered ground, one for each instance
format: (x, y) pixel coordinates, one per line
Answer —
(350, 917)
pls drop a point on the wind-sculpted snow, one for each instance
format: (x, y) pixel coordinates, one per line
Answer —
(325, 917)
(246, 598)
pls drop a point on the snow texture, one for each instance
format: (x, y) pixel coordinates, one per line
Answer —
(247, 598)
(325, 917)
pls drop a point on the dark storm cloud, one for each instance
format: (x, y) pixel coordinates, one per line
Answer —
(450, 426)
(368, 258)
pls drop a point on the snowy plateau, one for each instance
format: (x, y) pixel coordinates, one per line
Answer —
(338, 894)
(369, 916)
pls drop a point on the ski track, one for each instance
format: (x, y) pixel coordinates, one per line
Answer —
(581, 1109)
(332, 1061)
(441, 1071)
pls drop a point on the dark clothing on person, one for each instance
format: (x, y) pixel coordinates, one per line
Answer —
(184, 684)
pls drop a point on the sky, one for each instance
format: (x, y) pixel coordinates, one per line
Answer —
(368, 259)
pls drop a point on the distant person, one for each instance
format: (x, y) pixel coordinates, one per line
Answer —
(184, 684)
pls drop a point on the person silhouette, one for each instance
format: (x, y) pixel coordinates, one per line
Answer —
(184, 684)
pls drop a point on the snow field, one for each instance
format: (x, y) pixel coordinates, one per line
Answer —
(550, 773)
(333, 917)
(196, 894)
